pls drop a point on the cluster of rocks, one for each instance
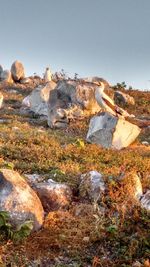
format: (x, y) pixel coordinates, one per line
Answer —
(29, 199)
(74, 100)
(62, 100)
(16, 74)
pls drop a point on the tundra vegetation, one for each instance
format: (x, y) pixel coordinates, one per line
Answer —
(114, 232)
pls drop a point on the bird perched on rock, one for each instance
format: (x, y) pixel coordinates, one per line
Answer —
(47, 75)
(106, 103)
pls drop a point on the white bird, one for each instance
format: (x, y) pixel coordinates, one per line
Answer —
(106, 103)
(47, 75)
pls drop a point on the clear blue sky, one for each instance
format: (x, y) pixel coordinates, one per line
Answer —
(108, 38)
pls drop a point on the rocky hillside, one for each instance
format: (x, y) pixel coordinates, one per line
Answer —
(104, 225)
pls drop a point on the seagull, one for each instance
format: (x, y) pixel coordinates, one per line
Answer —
(106, 103)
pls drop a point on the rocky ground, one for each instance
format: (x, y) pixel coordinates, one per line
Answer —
(114, 232)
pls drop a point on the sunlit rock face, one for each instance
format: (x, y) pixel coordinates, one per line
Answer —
(37, 101)
(6, 76)
(17, 71)
(111, 132)
(19, 200)
(71, 99)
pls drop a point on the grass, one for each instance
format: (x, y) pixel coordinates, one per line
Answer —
(118, 229)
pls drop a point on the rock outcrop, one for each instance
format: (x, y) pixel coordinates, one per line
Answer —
(17, 71)
(111, 132)
(19, 200)
(37, 101)
(71, 99)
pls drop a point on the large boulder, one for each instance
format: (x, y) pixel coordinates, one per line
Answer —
(111, 132)
(53, 195)
(17, 71)
(92, 186)
(6, 76)
(37, 101)
(19, 200)
(122, 99)
(71, 99)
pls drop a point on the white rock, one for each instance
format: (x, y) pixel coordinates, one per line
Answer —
(145, 143)
(37, 101)
(26, 102)
(111, 132)
(92, 185)
(86, 239)
(145, 200)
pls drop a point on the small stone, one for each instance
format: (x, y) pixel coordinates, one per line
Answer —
(137, 264)
(145, 143)
(86, 239)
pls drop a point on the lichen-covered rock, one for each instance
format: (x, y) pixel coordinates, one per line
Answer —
(53, 195)
(111, 132)
(92, 185)
(17, 71)
(19, 200)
